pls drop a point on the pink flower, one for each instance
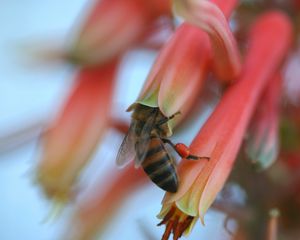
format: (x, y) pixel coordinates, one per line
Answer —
(71, 140)
(221, 136)
(176, 78)
(112, 27)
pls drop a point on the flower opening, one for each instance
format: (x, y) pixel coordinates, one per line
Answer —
(176, 221)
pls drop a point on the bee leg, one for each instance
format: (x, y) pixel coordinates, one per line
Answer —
(168, 141)
(182, 150)
(194, 157)
(163, 121)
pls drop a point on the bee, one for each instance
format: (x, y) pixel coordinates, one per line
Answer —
(145, 144)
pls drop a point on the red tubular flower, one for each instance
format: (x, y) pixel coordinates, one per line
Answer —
(263, 141)
(72, 138)
(181, 66)
(112, 27)
(221, 136)
(93, 214)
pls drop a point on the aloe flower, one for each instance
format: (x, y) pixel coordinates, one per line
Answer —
(209, 17)
(93, 213)
(112, 27)
(71, 140)
(263, 140)
(221, 136)
(182, 65)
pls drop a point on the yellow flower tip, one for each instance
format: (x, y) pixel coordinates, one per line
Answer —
(190, 228)
(274, 213)
(132, 107)
(176, 221)
(138, 104)
(201, 217)
(55, 212)
(164, 211)
(76, 57)
(59, 194)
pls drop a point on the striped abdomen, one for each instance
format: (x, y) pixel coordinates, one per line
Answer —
(159, 166)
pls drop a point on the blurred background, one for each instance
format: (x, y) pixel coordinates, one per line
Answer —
(28, 97)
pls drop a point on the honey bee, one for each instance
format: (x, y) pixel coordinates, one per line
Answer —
(145, 144)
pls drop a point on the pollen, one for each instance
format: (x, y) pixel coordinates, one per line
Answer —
(176, 222)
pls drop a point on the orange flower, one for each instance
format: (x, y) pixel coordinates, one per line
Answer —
(221, 136)
(112, 27)
(71, 140)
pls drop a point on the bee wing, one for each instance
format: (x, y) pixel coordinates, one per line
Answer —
(143, 141)
(127, 149)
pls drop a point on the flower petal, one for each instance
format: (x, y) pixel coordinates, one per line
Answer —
(178, 73)
(69, 143)
(184, 76)
(207, 16)
(112, 27)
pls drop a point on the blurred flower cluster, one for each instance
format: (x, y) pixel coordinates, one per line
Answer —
(240, 58)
